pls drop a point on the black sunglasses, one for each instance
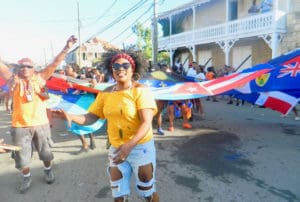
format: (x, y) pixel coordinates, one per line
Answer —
(26, 66)
(117, 66)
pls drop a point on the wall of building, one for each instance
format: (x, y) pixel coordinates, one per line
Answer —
(295, 5)
(207, 14)
(257, 47)
(243, 6)
(291, 40)
(261, 52)
(218, 59)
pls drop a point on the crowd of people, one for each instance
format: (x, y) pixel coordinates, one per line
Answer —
(186, 108)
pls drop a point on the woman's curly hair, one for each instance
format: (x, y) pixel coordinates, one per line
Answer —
(137, 56)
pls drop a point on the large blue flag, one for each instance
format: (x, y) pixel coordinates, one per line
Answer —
(278, 89)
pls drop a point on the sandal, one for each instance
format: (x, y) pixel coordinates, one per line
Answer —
(187, 126)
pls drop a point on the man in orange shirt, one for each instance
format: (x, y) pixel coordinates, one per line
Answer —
(30, 124)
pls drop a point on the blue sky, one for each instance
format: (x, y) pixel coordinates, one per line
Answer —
(39, 28)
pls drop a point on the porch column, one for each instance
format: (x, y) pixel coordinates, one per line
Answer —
(170, 20)
(226, 47)
(227, 10)
(275, 35)
(171, 57)
(193, 51)
(275, 43)
(289, 6)
(227, 52)
(170, 33)
(194, 22)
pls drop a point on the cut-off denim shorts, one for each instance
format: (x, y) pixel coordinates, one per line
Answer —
(141, 154)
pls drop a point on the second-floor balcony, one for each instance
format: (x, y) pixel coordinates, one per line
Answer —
(256, 25)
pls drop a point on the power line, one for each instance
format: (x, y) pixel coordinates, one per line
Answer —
(104, 13)
(133, 33)
(118, 19)
(130, 26)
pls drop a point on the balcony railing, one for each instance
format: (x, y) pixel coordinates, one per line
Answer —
(256, 25)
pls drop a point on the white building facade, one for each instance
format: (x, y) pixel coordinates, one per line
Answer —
(232, 32)
(88, 53)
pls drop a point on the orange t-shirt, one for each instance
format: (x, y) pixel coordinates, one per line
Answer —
(28, 113)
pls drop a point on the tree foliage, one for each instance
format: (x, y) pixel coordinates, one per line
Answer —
(144, 39)
(163, 57)
(144, 43)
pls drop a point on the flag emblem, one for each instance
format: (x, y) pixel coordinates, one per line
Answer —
(262, 79)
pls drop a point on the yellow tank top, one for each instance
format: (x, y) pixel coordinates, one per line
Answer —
(120, 108)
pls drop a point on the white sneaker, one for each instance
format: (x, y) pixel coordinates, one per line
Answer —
(297, 118)
(49, 176)
(25, 185)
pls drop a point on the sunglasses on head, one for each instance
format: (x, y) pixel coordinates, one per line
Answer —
(117, 66)
(26, 66)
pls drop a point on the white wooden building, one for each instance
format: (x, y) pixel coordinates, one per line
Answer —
(231, 32)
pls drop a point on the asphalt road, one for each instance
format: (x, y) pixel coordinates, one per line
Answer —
(235, 154)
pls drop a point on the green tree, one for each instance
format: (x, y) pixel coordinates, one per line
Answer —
(144, 39)
(163, 57)
(144, 43)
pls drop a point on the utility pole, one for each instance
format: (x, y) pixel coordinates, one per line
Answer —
(79, 41)
(52, 52)
(45, 57)
(154, 35)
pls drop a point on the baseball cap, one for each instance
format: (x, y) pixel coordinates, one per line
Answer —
(26, 62)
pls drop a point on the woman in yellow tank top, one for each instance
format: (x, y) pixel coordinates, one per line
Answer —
(129, 108)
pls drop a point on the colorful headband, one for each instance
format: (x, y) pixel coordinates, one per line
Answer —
(125, 56)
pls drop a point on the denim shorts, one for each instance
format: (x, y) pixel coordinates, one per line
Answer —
(24, 137)
(141, 154)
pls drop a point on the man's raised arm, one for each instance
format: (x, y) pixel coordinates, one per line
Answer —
(49, 70)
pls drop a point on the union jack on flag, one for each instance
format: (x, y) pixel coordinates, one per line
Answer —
(291, 69)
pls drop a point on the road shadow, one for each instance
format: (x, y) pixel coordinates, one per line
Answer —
(218, 154)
